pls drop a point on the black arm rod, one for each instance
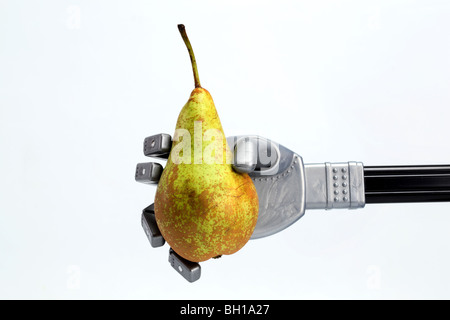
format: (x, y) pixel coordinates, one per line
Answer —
(395, 184)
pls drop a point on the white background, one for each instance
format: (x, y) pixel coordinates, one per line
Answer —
(82, 83)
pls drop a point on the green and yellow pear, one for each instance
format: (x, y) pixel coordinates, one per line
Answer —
(203, 208)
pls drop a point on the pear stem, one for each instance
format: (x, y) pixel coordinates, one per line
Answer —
(183, 33)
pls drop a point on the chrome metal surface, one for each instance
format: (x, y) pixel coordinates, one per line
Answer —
(279, 181)
(148, 173)
(338, 185)
(191, 271)
(281, 198)
(150, 227)
(245, 155)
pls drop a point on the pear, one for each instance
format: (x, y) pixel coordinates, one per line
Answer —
(203, 208)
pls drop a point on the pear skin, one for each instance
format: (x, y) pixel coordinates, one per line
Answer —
(203, 208)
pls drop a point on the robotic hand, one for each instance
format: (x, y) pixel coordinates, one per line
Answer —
(266, 162)
(286, 186)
